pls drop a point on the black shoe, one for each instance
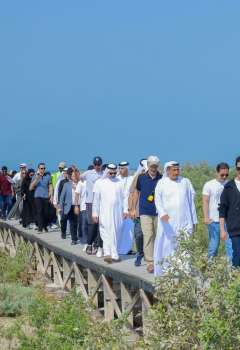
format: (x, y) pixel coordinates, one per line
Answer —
(89, 250)
(45, 229)
(39, 230)
(73, 242)
(63, 236)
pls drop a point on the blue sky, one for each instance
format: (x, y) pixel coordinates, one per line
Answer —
(122, 79)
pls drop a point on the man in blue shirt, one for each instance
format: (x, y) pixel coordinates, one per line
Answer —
(146, 185)
(43, 194)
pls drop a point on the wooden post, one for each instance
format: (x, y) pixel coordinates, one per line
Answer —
(67, 273)
(126, 300)
(108, 305)
(92, 283)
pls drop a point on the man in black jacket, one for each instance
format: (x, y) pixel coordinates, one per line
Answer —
(229, 213)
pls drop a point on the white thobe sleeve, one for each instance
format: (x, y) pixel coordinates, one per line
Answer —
(192, 193)
(158, 199)
(55, 195)
(96, 203)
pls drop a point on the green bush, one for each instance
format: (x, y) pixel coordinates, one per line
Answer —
(15, 299)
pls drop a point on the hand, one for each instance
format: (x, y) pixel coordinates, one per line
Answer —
(125, 215)
(223, 235)
(24, 197)
(76, 210)
(51, 199)
(95, 219)
(133, 214)
(207, 221)
(165, 218)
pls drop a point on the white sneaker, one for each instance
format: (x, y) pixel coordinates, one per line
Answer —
(84, 247)
(54, 227)
(99, 253)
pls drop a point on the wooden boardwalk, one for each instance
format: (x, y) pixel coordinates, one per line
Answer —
(117, 289)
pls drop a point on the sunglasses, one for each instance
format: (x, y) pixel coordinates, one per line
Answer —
(42, 168)
(224, 175)
(238, 168)
(112, 173)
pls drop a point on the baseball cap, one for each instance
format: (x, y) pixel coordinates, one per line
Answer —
(97, 160)
(61, 165)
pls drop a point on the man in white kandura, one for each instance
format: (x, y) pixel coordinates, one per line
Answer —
(126, 238)
(109, 210)
(174, 199)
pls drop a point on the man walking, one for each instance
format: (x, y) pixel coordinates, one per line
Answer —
(229, 213)
(91, 176)
(211, 194)
(146, 185)
(41, 184)
(6, 192)
(109, 212)
(174, 199)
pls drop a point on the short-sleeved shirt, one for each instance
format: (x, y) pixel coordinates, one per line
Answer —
(91, 176)
(146, 186)
(213, 189)
(42, 187)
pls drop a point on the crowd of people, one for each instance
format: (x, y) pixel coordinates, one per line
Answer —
(112, 212)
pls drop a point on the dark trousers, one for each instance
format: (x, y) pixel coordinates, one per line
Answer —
(73, 221)
(93, 235)
(138, 235)
(82, 227)
(236, 250)
(41, 206)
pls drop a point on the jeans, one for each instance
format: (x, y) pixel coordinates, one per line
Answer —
(214, 241)
(138, 235)
(82, 227)
(5, 205)
(236, 250)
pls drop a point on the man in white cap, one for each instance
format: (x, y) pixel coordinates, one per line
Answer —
(19, 175)
(126, 238)
(146, 185)
(174, 199)
(109, 208)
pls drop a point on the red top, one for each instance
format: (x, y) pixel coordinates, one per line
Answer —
(5, 186)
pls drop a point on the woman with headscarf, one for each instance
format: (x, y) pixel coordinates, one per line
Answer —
(28, 211)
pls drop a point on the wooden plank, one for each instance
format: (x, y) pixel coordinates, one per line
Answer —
(92, 283)
(111, 302)
(126, 300)
(57, 277)
(79, 281)
(67, 273)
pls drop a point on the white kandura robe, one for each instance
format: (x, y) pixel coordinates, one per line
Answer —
(108, 206)
(125, 240)
(176, 199)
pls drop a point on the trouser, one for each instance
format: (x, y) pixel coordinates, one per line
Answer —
(42, 206)
(149, 229)
(73, 221)
(82, 227)
(138, 234)
(214, 241)
(5, 205)
(93, 235)
(236, 250)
